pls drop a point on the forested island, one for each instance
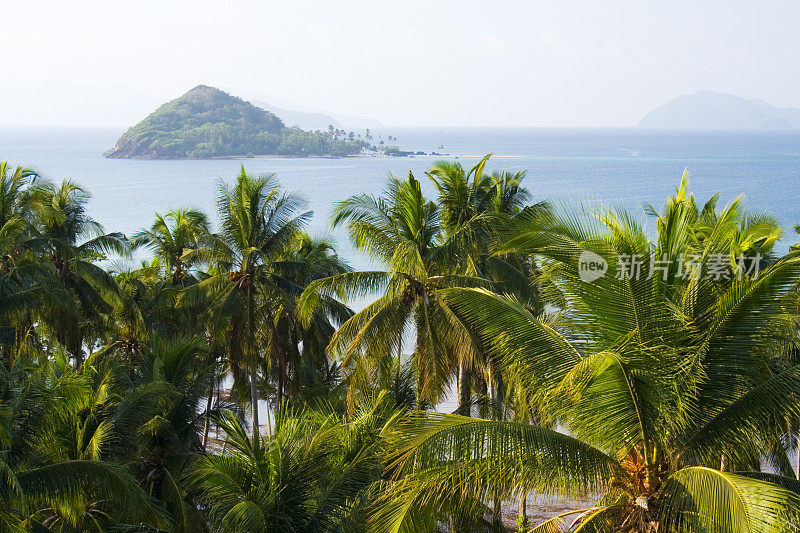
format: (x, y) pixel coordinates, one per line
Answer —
(207, 123)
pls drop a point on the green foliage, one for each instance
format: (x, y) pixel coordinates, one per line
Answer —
(123, 388)
(206, 122)
(670, 379)
(315, 474)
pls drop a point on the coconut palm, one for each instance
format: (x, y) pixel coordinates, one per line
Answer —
(60, 491)
(475, 197)
(168, 440)
(145, 416)
(72, 242)
(176, 238)
(310, 373)
(317, 473)
(14, 207)
(259, 223)
(402, 230)
(18, 277)
(145, 305)
(179, 240)
(27, 282)
(670, 388)
(477, 207)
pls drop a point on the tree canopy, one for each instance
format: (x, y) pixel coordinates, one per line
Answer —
(645, 364)
(207, 122)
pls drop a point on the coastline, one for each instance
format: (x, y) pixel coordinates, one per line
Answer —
(282, 156)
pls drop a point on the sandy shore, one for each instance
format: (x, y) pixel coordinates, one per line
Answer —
(543, 507)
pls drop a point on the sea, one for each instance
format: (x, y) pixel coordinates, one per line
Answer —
(617, 167)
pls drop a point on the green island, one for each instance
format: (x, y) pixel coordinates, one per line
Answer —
(207, 123)
(605, 377)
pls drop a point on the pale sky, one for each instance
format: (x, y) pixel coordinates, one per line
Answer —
(410, 63)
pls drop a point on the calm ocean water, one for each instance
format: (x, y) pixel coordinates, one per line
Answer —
(617, 166)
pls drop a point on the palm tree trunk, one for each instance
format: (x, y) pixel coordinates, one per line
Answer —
(207, 424)
(281, 375)
(497, 519)
(463, 390)
(499, 392)
(254, 397)
(491, 391)
(77, 351)
(276, 343)
(797, 458)
(482, 389)
(522, 511)
(253, 360)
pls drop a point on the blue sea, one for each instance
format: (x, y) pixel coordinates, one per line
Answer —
(630, 167)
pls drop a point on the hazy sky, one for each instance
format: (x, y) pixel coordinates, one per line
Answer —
(410, 63)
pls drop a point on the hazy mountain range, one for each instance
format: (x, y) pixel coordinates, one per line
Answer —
(54, 103)
(712, 110)
(295, 114)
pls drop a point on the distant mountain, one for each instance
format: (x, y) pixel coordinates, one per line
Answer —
(207, 122)
(708, 109)
(351, 122)
(789, 114)
(56, 103)
(307, 120)
(296, 114)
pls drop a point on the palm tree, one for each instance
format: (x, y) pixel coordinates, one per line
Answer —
(144, 416)
(181, 241)
(477, 208)
(664, 384)
(14, 207)
(317, 473)
(145, 305)
(310, 373)
(18, 275)
(71, 242)
(169, 439)
(258, 225)
(176, 239)
(401, 229)
(47, 483)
